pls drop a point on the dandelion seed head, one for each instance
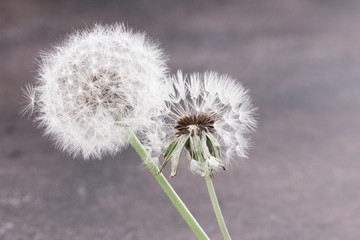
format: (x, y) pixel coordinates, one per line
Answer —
(94, 83)
(213, 105)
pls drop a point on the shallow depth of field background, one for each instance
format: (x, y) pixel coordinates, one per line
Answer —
(301, 61)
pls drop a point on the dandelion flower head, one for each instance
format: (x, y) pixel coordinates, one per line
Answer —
(95, 83)
(210, 115)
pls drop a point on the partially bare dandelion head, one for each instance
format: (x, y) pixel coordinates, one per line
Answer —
(95, 83)
(210, 116)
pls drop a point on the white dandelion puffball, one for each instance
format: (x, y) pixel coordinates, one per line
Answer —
(94, 84)
(210, 116)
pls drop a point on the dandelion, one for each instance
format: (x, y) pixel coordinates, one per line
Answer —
(95, 83)
(209, 115)
(97, 91)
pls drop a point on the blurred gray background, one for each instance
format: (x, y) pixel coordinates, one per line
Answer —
(301, 61)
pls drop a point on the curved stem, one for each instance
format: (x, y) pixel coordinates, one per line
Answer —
(216, 208)
(169, 191)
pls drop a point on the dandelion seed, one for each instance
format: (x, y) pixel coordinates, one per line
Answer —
(93, 84)
(210, 116)
(29, 95)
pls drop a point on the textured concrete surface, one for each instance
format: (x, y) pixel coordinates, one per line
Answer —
(299, 58)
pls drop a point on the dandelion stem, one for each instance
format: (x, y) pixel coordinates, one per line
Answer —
(169, 191)
(216, 208)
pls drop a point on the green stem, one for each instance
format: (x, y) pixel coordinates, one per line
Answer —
(217, 209)
(174, 198)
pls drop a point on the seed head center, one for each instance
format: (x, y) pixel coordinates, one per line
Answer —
(201, 121)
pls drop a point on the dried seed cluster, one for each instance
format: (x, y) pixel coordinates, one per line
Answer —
(94, 82)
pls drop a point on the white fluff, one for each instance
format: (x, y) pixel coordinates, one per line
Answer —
(95, 83)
